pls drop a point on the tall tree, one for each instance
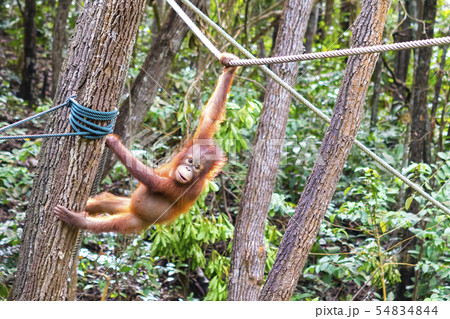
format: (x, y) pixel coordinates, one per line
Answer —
(419, 149)
(329, 9)
(29, 67)
(401, 95)
(95, 69)
(374, 101)
(402, 57)
(151, 78)
(348, 13)
(304, 225)
(311, 29)
(248, 253)
(59, 39)
(437, 97)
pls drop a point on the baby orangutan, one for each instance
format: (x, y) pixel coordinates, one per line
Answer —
(166, 192)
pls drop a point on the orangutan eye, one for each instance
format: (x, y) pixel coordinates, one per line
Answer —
(197, 167)
(190, 160)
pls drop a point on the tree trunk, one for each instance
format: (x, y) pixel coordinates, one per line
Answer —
(29, 68)
(442, 123)
(376, 93)
(419, 150)
(304, 225)
(329, 9)
(348, 14)
(402, 57)
(311, 29)
(327, 16)
(59, 40)
(150, 79)
(95, 69)
(248, 254)
(419, 109)
(437, 93)
(158, 12)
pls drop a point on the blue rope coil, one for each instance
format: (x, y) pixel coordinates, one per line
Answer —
(80, 119)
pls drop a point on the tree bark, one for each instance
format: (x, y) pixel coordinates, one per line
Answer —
(376, 93)
(311, 29)
(304, 225)
(419, 109)
(402, 57)
(327, 17)
(59, 40)
(348, 13)
(29, 68)
(442, 123)
(158, 11)
(419, 150)
(329, 9)
(95, 69)
(437, 93)
(248, 254)
(150, 79)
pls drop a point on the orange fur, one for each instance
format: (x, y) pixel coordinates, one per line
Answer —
(165, 193)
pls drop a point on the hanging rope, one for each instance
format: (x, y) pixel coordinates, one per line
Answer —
(80, 119)
(300, 57)
(343, 53)
(318, 112)
(195, 29)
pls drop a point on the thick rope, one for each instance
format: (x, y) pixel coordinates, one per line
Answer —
(32, 117)
(343, 53)
(80, 119)
(318, 112)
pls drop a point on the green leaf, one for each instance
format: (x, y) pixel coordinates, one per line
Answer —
(383, 226)
(408, 202)
(347, 190)
(213, 186)
(332, 217)
(443, 155)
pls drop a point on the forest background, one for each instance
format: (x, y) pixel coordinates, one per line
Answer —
(378, 240)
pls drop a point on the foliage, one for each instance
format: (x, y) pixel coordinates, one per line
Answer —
(360, 241)
(356, 254)
(191, 239)
(119, 267)
(15, 188)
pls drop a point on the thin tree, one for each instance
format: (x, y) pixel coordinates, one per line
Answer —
(401, 95)
(29, 67)
(304, 225)
(59, 39)
(375, 100)
(347, 15)
(311, 29)
(402, 57)
(419, 149)
(437, 93)
(248, 253)
(95, 69)
(436, 100)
